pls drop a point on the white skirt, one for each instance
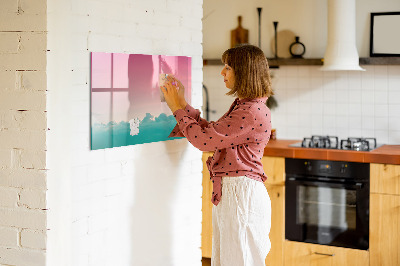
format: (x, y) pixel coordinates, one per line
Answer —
(241, 223)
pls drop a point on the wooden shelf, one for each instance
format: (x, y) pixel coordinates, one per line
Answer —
(273, 63)
(294, 62)
(212, 62)
(380, 61)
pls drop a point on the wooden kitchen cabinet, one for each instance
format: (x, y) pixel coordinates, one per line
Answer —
(385, 178)
(305, 254)
(206, 225)
(274, 168)
(384, 215)
(384, 236)
(277, 233)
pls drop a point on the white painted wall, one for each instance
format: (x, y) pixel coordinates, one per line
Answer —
(136, 205)
(344, 103)
(23, 133)
(306, 18)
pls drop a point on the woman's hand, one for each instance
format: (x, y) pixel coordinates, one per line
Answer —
(181, 90)
(173, 94)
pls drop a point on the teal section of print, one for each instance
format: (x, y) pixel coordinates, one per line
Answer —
(118, 134)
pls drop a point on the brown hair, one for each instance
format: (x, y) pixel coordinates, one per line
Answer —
(250, 66)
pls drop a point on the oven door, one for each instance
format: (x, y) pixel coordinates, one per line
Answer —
(327, 213)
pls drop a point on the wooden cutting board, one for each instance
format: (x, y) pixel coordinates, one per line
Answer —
(239, 35)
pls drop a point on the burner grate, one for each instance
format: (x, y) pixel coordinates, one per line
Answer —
(332, 142)
(327, 142)
(358, 144)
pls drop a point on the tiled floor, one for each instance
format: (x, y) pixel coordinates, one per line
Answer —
(206, 261)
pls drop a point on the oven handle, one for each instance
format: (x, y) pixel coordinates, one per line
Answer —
(357, 185)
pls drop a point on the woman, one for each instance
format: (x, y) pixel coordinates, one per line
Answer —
(242, 208)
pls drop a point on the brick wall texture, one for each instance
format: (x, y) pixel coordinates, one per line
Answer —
(23, 128)
(61, 203)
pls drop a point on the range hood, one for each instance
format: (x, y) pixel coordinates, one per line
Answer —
(341, 51)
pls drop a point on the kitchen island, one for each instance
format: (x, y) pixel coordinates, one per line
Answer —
(384, 207)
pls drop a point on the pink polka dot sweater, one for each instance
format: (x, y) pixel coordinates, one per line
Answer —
(238, 139)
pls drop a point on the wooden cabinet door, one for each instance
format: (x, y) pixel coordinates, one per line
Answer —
(385, 178)
(206, 226)
(384, 237)
(274, 168)
(277, 233)
(304, 254)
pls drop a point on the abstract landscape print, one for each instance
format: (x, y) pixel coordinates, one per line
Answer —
(126, 101)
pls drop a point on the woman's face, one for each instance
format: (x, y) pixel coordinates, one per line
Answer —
(229, 76)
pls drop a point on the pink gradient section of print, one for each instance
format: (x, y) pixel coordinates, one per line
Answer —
(125, 86)
(101, 70)
(120, 68)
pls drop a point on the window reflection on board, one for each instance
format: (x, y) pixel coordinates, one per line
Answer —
(126, 106)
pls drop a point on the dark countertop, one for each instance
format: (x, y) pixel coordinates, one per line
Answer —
(389, 154)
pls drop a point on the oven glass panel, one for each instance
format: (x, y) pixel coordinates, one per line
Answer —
(326, 207)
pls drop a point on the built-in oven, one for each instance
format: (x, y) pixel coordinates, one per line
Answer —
(327, 202)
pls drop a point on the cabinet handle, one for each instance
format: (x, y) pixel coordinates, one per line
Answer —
(324, 254)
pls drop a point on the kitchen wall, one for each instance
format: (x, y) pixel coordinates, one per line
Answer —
(135, 205)
(342, 103)
(306, 19)
(345, 103)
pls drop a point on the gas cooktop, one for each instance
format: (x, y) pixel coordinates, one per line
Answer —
(332, 142)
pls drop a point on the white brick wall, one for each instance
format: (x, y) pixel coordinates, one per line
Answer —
(9, 237)
(8, 197)
(23, 178)
(111, 207)
(23, 132)
(11, 256)
(33, 239)
(135, 205)
(23, 218)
